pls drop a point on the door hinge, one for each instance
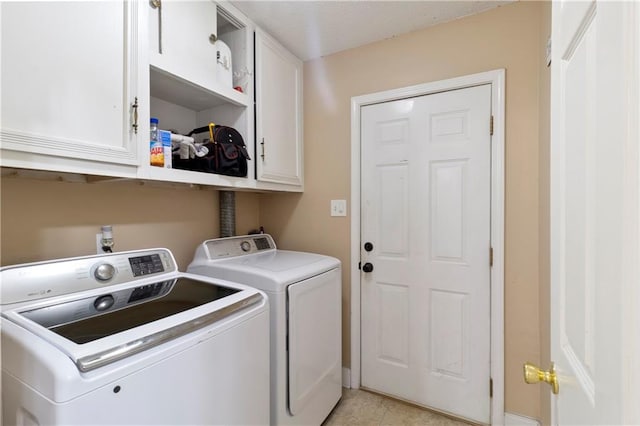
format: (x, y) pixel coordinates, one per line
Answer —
(491, 126)
(490, 256)
(490, 388)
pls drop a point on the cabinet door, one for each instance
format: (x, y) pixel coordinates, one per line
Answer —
(278, 113)
(69, 82)
(182, 37)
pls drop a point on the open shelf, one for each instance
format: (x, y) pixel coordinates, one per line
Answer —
(179, 91)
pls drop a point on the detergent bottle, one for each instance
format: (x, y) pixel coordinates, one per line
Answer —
(157, 150)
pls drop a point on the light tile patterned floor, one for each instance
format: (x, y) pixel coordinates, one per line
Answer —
(362, 408)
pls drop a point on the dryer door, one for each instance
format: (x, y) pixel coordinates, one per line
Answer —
(315, 354)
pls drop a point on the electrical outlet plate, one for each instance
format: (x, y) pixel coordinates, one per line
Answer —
(338, 207)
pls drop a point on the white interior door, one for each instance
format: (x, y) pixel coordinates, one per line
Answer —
(594, 212)
(426, 174)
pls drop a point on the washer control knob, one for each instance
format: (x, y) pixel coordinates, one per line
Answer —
(104, 272)
(245, 246)
(103, 303)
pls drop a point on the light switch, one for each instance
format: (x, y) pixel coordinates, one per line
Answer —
(338, 207)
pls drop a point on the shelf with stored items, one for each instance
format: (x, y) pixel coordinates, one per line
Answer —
(189, 89)
(210, 81)
(70, 104)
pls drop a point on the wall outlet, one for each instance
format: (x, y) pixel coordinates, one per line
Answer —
(338, 207)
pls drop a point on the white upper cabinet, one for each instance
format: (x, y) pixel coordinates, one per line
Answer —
(70, 78)
(182, 36)
(80, 81)
(278, 113)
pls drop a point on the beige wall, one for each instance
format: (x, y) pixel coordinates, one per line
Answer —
(507, 37)
(48, 219)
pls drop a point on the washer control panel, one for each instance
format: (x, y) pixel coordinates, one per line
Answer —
(238, 246)
(104, 272)
(145, 265)
(42, 280)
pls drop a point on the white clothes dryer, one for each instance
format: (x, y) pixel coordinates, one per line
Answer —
(305, 294)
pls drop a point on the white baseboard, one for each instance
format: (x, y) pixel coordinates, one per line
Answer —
(346, 377)
(518, 420)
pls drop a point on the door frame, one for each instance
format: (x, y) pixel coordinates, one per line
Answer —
(497, 80)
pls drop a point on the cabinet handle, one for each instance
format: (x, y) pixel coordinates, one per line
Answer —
(135, 116)
(262, 143)
(157, 4)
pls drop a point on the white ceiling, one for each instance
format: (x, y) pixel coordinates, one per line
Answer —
(312, 28)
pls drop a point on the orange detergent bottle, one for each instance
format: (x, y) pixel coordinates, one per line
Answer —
(157, 150)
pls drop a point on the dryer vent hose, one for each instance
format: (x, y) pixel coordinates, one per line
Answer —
(227, 213)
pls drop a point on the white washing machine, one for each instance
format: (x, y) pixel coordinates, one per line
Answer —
(305, 294)
(125, 338)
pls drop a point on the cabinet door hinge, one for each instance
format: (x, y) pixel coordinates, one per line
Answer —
(490, 388)
(490, 256)
(491, 126)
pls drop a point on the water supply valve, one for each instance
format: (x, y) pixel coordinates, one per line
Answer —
(104, 240)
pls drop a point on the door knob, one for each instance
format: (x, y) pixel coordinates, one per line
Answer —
(367, 267)
(533, 374)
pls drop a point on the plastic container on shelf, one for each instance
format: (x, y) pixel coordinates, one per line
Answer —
(155, 146)
(164, 136)
(224, 68)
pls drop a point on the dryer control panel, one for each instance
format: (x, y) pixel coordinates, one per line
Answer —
(238, 246)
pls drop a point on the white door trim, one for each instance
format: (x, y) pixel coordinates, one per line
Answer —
(497, 80)
(631, 273)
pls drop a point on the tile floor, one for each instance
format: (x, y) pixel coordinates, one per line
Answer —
(362, 408)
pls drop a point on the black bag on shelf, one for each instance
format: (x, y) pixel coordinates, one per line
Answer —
(227, 153)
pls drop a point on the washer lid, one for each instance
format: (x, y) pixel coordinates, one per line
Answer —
(136, 318)
(281, 261)
(92, 318)
(269, 271)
